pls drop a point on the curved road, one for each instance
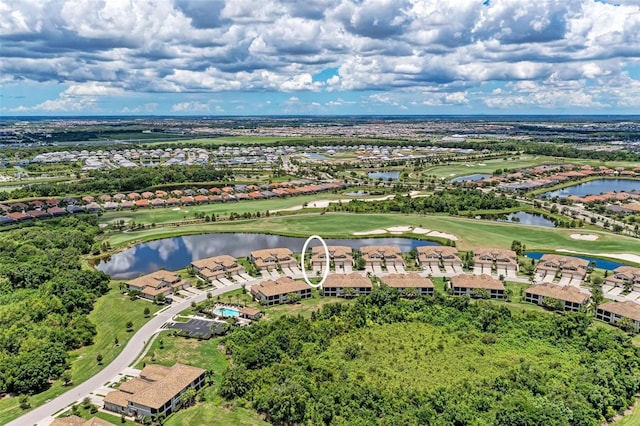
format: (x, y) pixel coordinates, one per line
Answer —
(43, 415)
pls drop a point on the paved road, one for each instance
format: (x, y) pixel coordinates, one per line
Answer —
(43, 414)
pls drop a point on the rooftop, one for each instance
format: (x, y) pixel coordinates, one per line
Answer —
(483, 281)
(566, 293)
(352, 280)
(406, 280)
(282, 285)
(626, 309)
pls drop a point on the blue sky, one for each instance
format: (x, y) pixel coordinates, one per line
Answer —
(244, 57)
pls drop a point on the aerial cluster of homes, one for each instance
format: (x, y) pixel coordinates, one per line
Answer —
(559, 276)
(550, 175)
(42, 209)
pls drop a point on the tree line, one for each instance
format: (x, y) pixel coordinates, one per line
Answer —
(45, 297)
(452, 201)
(286, 371)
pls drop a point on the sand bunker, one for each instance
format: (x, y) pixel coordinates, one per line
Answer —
(421, 231)
(442, 235)
(372, 232)
(585, 237)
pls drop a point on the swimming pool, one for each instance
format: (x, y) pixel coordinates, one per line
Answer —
(226, 312)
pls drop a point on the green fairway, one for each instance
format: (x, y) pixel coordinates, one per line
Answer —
(168, 214)
(471, 233)
(110, 315)
(456, 169)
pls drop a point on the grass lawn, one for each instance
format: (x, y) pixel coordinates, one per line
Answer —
(168, 214)
(110, 315)
(455, 169)
(472, 233)
(204, 354)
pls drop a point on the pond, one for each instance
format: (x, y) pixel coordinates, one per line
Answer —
(600, 263)
(471, 178)
(314, 156)
(179, 252)
(525, 218)
(595, 187)
(384, 175)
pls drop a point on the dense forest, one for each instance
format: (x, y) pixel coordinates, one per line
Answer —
(452, 201)
(123, 180)
(45, 297)
(431, 361)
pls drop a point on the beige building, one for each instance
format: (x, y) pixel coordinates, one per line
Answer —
(568, 266)
(379, 256)
(409, 282)
(156, 391)
(338, 285)
(341, 256)
(436, 256)
(79, 421)
(270, 259)
(216, 267)
(156, 283)
(471, 284)
(274, 292)
(624, 276)
(572, 298)
(503, 261)
(615, 311)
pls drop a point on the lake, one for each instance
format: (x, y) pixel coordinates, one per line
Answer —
(179, 252)
(471, 178)
(314, 156)
(600, 263)
(595, 187)
(524, 218)
(384, 175)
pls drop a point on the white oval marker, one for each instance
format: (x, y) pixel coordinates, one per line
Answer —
(328, 263)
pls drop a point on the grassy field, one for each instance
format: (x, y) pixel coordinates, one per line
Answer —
(110, 315)
(455, 169)
(471, 233)
(167, 214)
(204, 354)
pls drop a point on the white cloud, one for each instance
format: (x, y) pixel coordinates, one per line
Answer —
(114, 48)
(192, 106)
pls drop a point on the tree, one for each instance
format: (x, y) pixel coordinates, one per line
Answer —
(66, 378)
(147, 311)
(116, 341)
(292, 297)
(129, 325)
(188, 397)
(99, 359)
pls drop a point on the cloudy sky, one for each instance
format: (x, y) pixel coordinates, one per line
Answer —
(250, 57)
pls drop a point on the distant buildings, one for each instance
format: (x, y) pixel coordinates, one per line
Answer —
(216, 267)
(271, 259)
(409, 284)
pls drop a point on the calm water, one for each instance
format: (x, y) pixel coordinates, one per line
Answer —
(471, 178)
(596, 187)
(314, 156)
(525, 218)
(178, 252)
(600, 263)
(384, 175)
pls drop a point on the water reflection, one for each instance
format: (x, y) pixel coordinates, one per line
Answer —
(178, 252)
(595, 187)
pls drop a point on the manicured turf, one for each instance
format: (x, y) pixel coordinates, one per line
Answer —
(456, 169)
(169, 214)
(472, 233)
(110, 315)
